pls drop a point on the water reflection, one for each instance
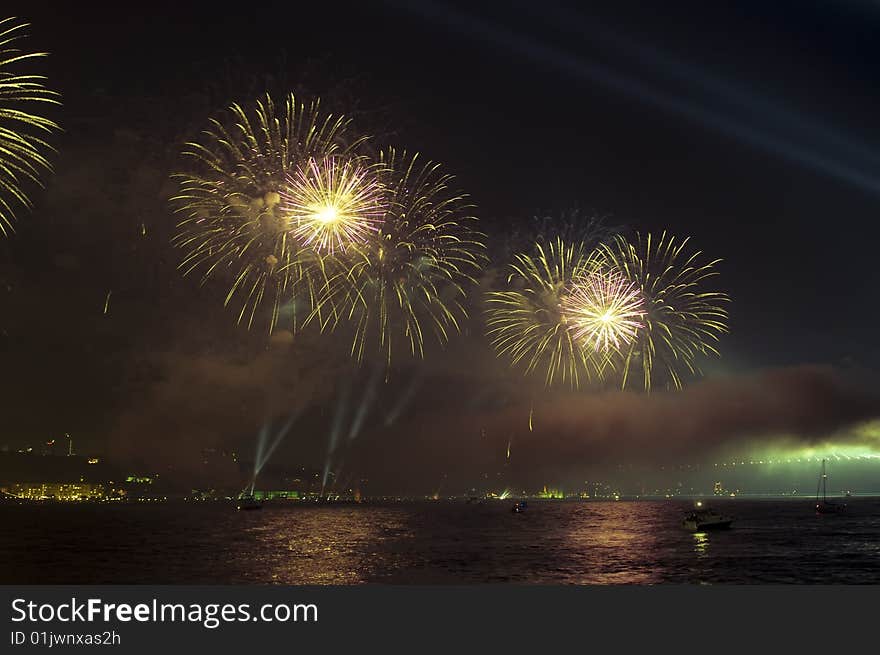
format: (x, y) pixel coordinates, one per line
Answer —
(314, 546)
(432, 543)
(612, 544)
(701, 544)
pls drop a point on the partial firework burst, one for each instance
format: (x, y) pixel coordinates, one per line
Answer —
(410, 277)
(230, 196)
(333, 203)
(603, 310)
(527, 323)
(22, 127)
(682, 322)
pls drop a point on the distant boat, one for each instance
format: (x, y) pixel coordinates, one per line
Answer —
(247, 501)
(704, 518)
(826, 506)
(520, 507)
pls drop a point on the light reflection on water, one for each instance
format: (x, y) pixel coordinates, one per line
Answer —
(701, 544)
(604, 542)
(292, 547)
(436, 543)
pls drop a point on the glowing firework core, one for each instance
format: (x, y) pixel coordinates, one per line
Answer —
(603, 310)
(332, 204)
(326, 214)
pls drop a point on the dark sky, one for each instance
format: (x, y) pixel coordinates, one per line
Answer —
(749, 127)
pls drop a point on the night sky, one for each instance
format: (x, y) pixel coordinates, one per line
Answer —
(749, 128)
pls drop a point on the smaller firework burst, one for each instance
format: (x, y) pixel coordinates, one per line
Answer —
(333, 202)
(412, 275)
(683, 319)
(526, 322)
(603, 310)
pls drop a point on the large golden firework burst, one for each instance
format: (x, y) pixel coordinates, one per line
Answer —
(230, 195)
(23, 128)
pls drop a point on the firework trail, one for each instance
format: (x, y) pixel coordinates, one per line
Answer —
(23, 149)
(682, 321)
(234, 224)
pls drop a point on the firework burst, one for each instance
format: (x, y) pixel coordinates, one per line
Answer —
(22, 128)
(527, 323)
(410, 277)
(333, 203)
(682, 321)
(234, 225)
(603, 310)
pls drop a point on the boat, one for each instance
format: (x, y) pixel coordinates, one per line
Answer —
(248, 501)
(704, 518)
(520, 507)
(825, 506)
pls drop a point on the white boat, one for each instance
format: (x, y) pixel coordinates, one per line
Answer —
(704, 518)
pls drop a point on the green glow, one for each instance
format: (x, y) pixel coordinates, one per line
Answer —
(773, 455)
(556, 494)
(281, 494)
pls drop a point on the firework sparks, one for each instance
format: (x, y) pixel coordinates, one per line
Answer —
(603, 310)
(333, 203)
(527, 324)
(411, 276)
(22, 147)
(682, 320)
(234, 224)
